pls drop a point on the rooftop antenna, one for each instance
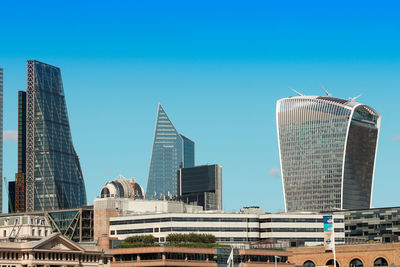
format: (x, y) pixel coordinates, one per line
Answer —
(326, 91)
(300, 94)
(354, 98)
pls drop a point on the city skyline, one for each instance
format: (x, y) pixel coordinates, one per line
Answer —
(218, 68)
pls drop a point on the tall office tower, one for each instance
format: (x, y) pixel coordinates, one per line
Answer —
(201, 185)
(54, 178)
(20, 197)
(171, 151)
(1, 139)
(327, 151)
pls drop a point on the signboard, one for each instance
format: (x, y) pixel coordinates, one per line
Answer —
(329, 238)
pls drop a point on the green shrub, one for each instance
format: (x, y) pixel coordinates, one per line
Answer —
(145, 239)
(191, 238)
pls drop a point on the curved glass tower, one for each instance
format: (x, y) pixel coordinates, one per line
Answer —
(327, 149)
(171, 151)
(54, 177)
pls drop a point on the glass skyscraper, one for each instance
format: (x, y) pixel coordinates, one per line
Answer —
(171, 151)
(1, 138)
(327, 150)
(54, 177)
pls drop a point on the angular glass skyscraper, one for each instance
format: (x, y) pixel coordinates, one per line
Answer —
(327, 150)
(171, 151)
(1, 138)
(54, 177)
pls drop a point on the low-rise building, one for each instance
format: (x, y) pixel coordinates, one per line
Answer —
(303, 226)
(226, 227)
(197, 257)
(53, 250)
(21, 228)
(360, 255)
(378, 224)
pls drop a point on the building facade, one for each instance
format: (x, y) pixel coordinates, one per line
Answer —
(327, 149)
(201, 185)
(53, 177)
(365, 255)
(75, 224)
(1, 137)
(227, 228)
(24, 228)
(299, 226)
(198, 257)
(372, 225)
(107, 208)
(54, 250)
(248, 227)
(170, 152)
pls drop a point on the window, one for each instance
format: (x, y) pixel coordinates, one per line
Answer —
(380, 262)
(33, 232)
(330, 263)
(356, 263)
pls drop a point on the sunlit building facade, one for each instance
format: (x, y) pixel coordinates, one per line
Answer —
(54, 177)
(171, 151)
(327, 152)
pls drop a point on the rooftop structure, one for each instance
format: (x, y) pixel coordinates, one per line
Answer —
(171, 151)
(327, 149)
(122, 188)
(201, 185)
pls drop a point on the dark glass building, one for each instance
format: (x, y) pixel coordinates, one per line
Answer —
(20, 203)
(171, 151)
(11, 196)
(53, 177)
(201, 185)
(327, 151)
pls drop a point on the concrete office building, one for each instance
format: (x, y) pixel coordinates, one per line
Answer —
(250, 225)
(299, 226)
(171, 151)
(372, 225)
(226, 227)
(106, 208)
(327, 149)
(201, 185)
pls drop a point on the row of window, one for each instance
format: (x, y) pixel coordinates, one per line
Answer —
(298, 220)
(184, 229)
(183, 219)
(292, 230)
(353, 263)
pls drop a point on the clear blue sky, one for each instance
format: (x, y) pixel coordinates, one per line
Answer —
(217, 67)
